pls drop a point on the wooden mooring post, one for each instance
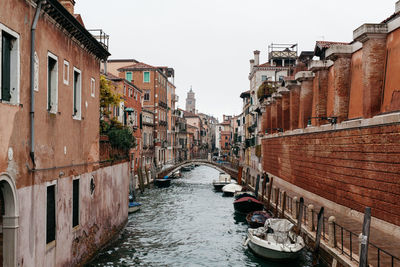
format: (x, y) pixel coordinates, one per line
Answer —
(365, 238)
(276, 202)
(300, 215)
(283, 204)
(147, 177)
(257, 185)
(270, 191)
(318, 235)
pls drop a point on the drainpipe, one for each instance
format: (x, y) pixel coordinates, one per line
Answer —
(32, 82)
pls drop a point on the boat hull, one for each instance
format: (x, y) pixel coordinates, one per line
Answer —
(162, 182)
(218, 185)
(133, 209)
(247, 206)
(270, 254)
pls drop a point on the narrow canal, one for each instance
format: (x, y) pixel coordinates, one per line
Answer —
(187, 224)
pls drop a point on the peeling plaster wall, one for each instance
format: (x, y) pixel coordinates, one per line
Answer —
(101, 216)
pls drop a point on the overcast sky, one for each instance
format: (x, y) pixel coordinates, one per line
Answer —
(209, 42)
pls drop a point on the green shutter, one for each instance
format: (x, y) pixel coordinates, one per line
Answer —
(146, 77)
(129, 76)
(6, 68)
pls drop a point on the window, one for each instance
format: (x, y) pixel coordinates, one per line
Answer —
(77, 94)
(52, 82)
(129, 76)
(135, 95)
(66, 72)
(145, 139)
(51, 214)
(92, 86)
(124, 90)
(10, 69)
(147, 95)
(146, 76)
(264, 77)
(75, 202)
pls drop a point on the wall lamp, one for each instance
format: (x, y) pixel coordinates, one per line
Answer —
(280, 130)
(332, 120)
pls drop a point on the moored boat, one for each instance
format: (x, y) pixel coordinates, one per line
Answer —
(175, 174)
(231, 188)
(247, 204)
(257, 218)
(164, 182)
(186, 168)
(134, 207)
(241, 194)
(223, 180)
(276, 240)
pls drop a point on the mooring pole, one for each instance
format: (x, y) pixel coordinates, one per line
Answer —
(269, 192)
(257, 185)
(283, 204)
(365, 238)
(276, 201)
(318, 235)
(300, 215)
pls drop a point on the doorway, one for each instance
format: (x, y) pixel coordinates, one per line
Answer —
(8, 221)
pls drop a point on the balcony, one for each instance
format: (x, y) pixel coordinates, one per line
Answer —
(175, 98)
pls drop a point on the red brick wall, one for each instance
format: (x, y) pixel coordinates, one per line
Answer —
(391, 96)
(356, 86)
(355, 168)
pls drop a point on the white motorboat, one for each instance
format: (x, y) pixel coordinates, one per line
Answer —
(231, 188)
(223, 180)
(276, 240)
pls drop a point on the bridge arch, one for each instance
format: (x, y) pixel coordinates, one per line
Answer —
(218, 167)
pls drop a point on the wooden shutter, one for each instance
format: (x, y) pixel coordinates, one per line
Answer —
(6, 67)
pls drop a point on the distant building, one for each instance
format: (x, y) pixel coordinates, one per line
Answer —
(191, 102)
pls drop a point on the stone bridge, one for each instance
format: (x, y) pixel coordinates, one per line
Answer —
(228, 168)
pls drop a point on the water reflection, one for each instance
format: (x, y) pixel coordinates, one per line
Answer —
(187, 224)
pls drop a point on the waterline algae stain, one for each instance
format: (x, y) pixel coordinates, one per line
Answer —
(186, 224)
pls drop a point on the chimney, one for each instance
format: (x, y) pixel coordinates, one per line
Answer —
(397, 6)
(256, 57)
(251, 64)
(68, 5)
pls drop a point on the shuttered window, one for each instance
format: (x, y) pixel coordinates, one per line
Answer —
(129, 76)
(75, 203)
(51, 214)
(6, 47)
(146, 77)
(77, 94)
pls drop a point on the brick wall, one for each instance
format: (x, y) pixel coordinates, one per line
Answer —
(354, 167)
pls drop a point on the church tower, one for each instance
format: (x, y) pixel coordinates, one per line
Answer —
(191, 101)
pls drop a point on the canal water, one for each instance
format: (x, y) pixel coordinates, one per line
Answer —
(186, 224)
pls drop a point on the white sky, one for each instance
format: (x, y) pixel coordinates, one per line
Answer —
(209, 42)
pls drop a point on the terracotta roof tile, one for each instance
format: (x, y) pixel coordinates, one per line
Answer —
(139, 65)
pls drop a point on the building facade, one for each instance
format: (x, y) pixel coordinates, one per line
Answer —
(51, 184)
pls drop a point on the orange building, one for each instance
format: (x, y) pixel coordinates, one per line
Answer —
(153, 81)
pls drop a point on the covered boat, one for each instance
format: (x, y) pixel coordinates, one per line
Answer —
(241, 194)
(186, 168)
(223, 180)
(276, 240)
(257, 218)
(247, 204)
(164, 182)
(231, 188)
